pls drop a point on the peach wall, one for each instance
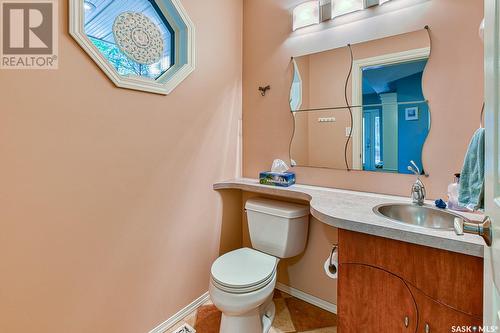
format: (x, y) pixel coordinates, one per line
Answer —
(327, 140)
(453, 83)
(108, 218)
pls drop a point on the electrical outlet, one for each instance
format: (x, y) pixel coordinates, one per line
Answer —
(327, 120)
(185, 328)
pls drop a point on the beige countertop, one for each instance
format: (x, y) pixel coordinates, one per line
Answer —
(353, 211)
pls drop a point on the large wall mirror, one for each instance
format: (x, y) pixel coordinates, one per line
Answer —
(362, 107)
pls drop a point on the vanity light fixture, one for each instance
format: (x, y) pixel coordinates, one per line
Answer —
(306, 14)
(325, 10)
(342, 7)
(371, 3)
(315, 12)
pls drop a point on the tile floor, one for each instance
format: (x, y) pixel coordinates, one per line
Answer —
(292, 316)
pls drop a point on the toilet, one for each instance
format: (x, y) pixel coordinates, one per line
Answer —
(243, 281)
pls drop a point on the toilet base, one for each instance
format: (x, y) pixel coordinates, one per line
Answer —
(250, 312)
(255, 321)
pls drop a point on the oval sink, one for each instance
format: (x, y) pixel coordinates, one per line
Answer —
(421, 216)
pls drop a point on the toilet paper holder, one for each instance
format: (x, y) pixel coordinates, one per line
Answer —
(331, 267)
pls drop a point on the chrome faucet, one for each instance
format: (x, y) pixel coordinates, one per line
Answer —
(418, 188)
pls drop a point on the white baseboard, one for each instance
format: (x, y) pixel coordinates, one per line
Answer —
(181, 314)
(330, 307)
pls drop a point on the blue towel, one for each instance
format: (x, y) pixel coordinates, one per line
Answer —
(471, 187)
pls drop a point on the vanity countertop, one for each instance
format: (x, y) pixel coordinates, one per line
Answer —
(353, 211)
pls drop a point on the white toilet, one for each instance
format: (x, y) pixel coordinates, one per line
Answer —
(242, 281)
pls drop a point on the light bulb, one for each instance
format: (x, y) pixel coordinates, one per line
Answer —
(306, 14)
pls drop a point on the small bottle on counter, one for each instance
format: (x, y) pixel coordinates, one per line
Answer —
(453, 190)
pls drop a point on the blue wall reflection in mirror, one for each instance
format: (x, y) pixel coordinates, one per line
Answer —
(391, 139)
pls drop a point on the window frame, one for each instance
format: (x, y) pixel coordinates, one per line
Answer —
(183, 50)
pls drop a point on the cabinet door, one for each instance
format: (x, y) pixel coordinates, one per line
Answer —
(371, 300)
(459, 283)
(435, 317)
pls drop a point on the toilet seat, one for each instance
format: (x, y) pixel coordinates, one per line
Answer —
(243, 271)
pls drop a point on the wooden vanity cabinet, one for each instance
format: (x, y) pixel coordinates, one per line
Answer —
(391, 286)
(436, 317)
(374, 300)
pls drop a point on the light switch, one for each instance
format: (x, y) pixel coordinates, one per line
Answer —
(347, 131)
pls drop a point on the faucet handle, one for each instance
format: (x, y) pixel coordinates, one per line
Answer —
(414, 168)
(410, 168)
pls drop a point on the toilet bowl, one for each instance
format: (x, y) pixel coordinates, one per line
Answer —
(242, 281)
(241, 287)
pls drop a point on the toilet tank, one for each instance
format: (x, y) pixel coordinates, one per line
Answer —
(277, 228)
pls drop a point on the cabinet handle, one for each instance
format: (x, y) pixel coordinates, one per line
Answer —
(427, 328)
(407, 321)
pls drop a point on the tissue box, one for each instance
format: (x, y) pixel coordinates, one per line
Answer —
(282, 179)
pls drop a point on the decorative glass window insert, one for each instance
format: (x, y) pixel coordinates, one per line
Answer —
(306, 14)
(342, 7)
(140, 44)
(101, 16)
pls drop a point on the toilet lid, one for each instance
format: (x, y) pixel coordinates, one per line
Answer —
(243, 269)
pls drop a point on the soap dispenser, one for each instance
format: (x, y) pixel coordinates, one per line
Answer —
(453, 190)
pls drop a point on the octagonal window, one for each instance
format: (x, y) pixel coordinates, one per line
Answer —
(140, 44)
(142, 20)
